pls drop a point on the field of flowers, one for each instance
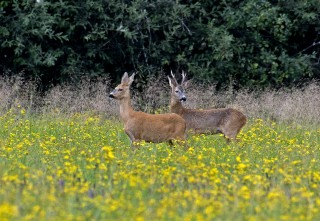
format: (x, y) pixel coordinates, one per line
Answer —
(81, 167)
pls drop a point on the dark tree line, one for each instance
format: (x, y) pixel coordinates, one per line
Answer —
(249, 42)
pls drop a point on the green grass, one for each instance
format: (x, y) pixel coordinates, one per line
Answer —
(81, 167)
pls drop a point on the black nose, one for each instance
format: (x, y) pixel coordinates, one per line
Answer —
(183, 99)
(111, 96)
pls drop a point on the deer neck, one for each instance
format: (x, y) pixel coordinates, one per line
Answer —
(176, 107)
(125, 109)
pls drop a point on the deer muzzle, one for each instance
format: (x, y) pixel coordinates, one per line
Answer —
(183, 99)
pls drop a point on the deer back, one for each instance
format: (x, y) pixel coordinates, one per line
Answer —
(155, 127)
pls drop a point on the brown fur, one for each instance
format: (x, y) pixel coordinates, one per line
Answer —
(227, 121)
(142, 126)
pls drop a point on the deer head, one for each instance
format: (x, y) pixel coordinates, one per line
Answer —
(177, 90)
(122, 90)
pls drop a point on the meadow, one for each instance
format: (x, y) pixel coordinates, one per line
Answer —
(78, 164)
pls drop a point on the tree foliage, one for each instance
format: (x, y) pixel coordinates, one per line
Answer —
(252, 43)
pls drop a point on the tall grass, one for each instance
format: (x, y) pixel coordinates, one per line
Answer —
(300, 105)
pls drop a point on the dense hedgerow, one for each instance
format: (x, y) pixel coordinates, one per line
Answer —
(253, 43)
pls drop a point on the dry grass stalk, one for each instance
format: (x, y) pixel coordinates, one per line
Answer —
(300, 105)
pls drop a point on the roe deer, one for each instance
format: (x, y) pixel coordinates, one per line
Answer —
(227, 121)
(142, 126)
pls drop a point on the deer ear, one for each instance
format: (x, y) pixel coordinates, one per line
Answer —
(131, 79)
(125, 78)
(186, 84)
(171, 82)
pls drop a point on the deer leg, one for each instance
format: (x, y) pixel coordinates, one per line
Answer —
(132, 139)
(180, 142)
(170, 142)
(230, 136)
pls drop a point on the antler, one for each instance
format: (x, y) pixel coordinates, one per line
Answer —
(174, 78)
(184, 77)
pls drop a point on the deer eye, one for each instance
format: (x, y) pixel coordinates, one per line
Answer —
(120, 89)
(177, 91)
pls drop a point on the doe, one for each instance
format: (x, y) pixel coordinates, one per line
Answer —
(142, 126)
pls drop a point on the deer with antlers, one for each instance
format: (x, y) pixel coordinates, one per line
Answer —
(227, 121)
(148, 127)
